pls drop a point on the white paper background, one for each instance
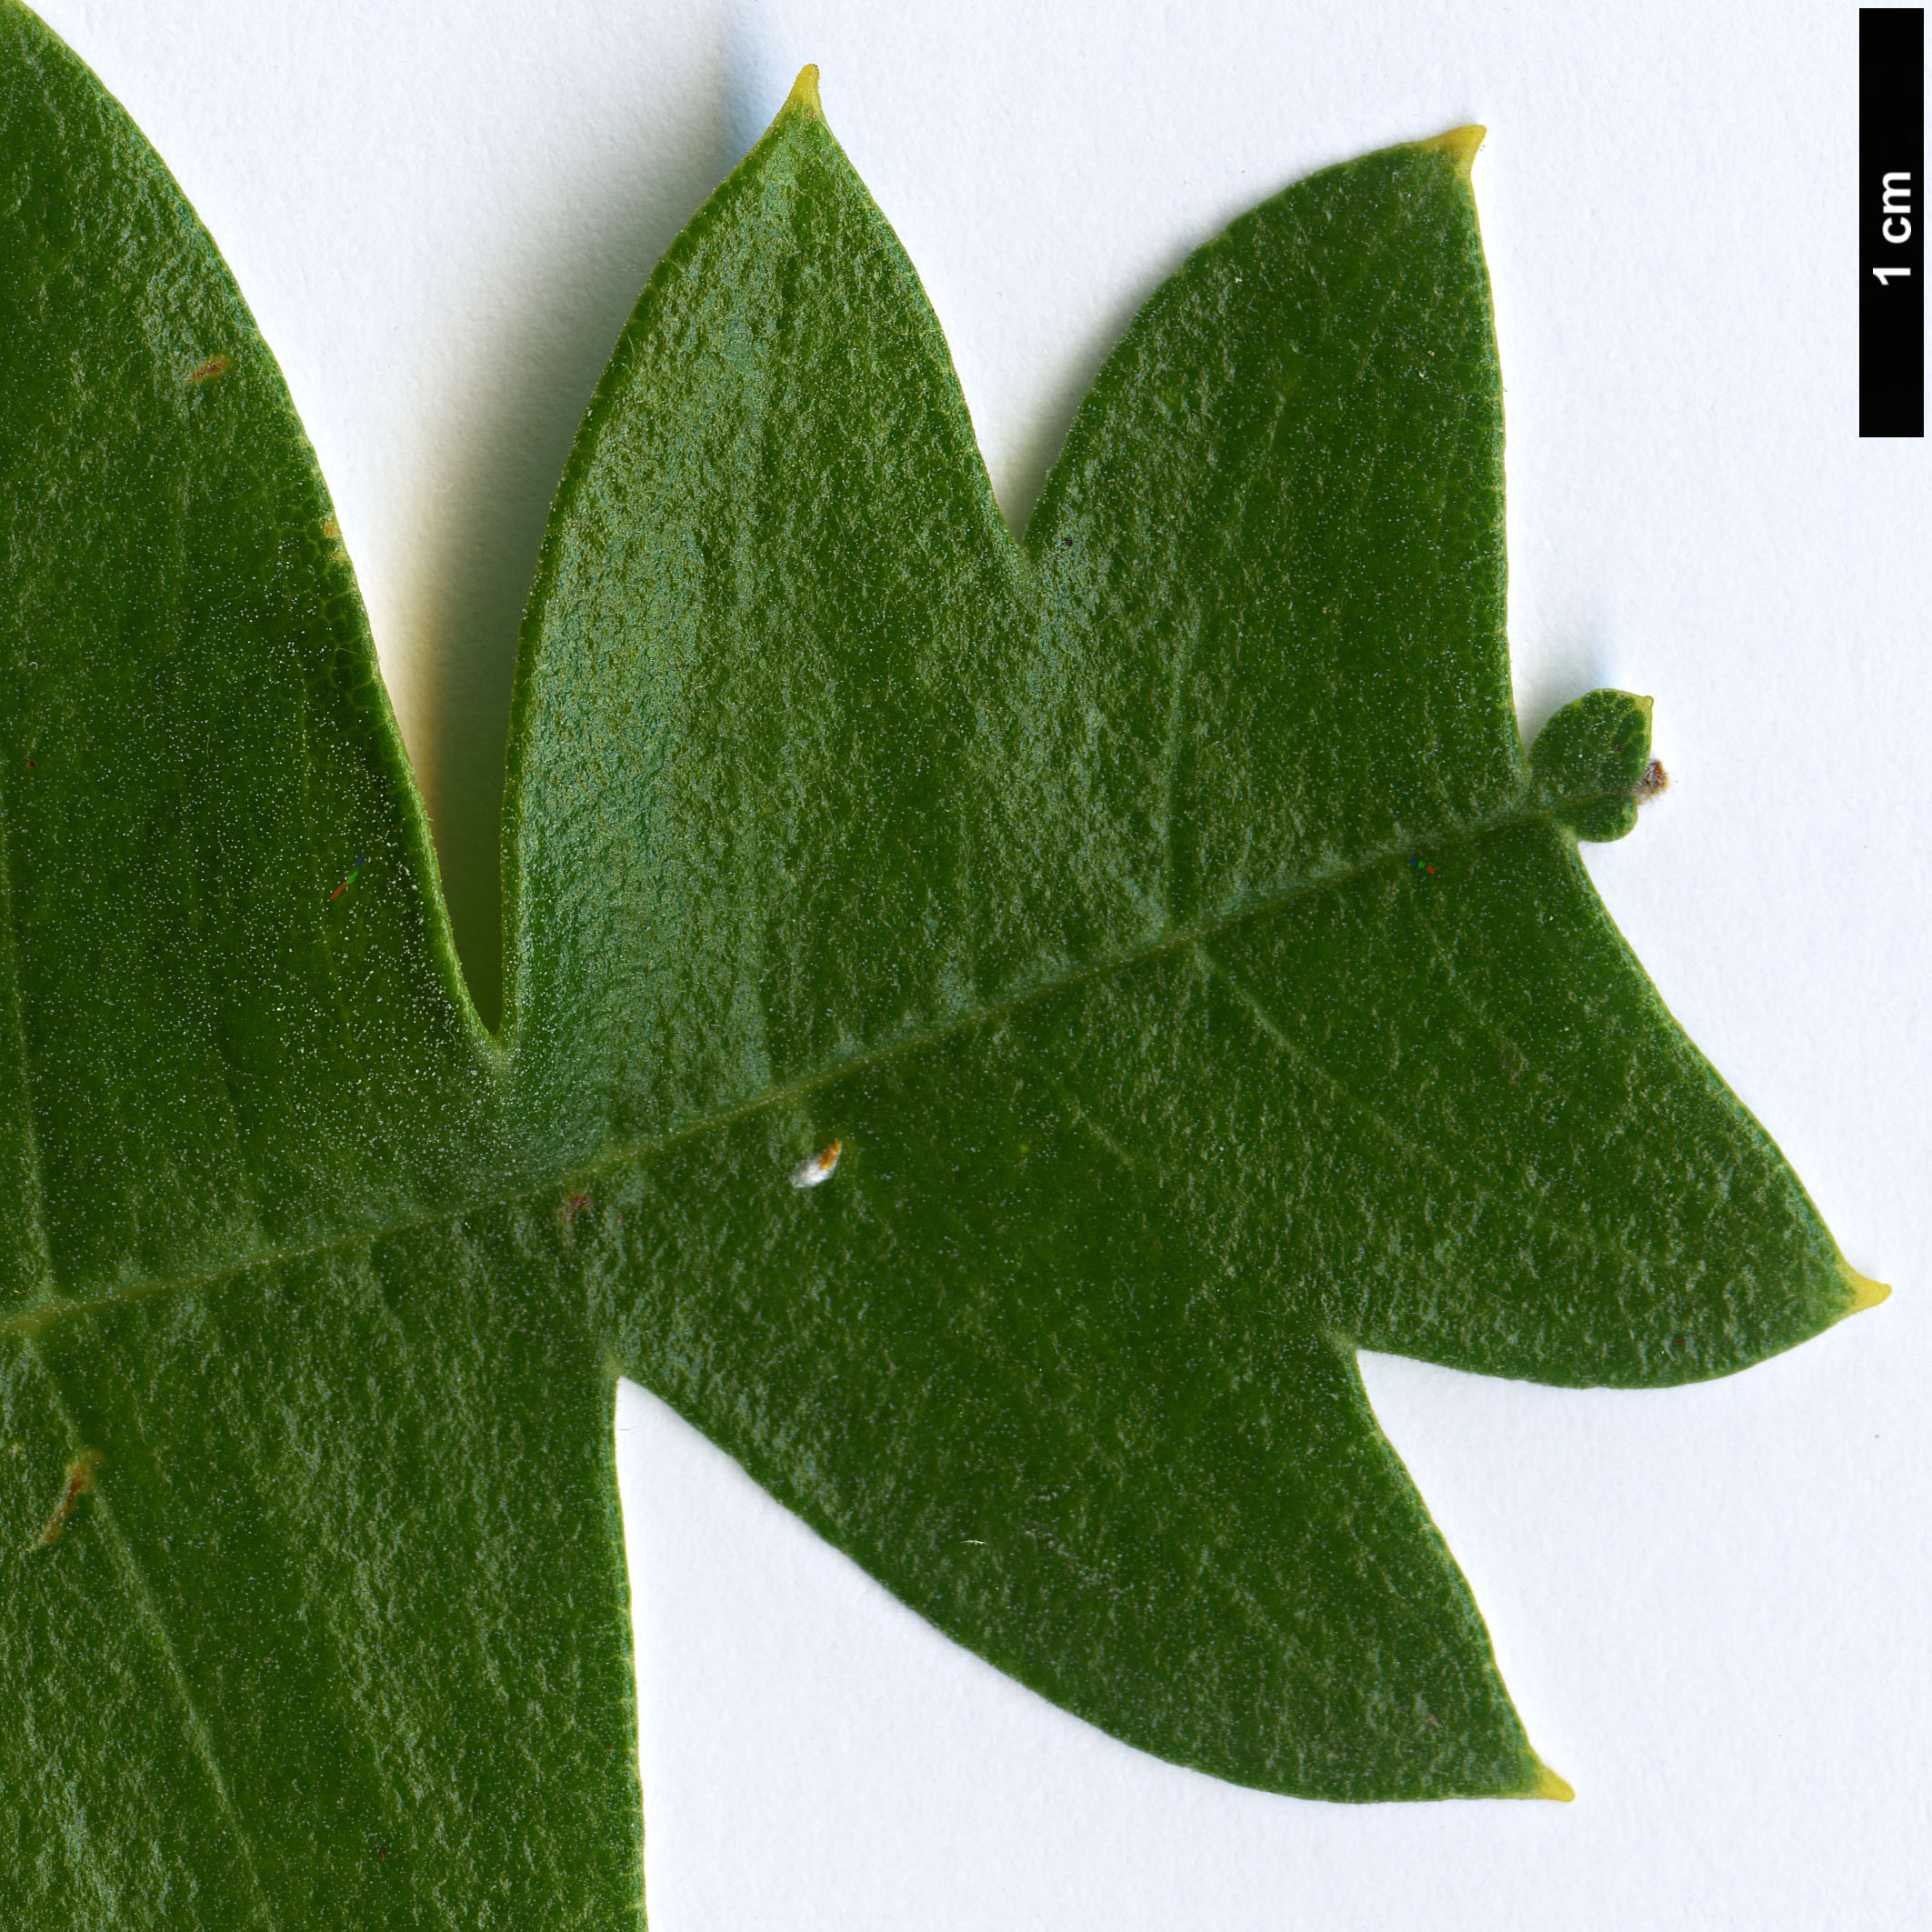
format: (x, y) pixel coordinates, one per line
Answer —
(1711, 1605)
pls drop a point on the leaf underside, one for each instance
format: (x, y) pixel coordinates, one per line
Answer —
(1161, 914)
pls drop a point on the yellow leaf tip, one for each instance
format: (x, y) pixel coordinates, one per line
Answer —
(1863, 1292)
(1549, 1785)
(804, 96)
(1459, 144)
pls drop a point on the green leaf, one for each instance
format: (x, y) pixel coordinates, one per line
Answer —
(1160, 919)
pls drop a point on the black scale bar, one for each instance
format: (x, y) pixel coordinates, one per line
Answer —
(1892, 221)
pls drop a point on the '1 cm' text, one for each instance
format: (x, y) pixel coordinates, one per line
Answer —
(1897, 224)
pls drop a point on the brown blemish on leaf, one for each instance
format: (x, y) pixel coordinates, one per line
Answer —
(1655, 782)
(215, 366)
(80, 1480)
(567, 1213)
(333, 531)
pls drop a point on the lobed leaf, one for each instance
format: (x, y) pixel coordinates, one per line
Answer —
(1154, 931)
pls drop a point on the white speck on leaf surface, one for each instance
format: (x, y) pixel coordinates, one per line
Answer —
(816, 1168)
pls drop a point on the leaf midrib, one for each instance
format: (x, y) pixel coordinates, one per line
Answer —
(36, 1321)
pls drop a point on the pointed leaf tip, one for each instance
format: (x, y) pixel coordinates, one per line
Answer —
(804, 96)
(1459, 144)
(1549, 1785)
(1862, 1290)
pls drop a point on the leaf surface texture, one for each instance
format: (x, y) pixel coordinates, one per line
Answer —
(1161, 914)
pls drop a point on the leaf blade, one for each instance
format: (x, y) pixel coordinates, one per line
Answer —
(1016, 1391)
(365, 1698)
(1049, 1292)
(199, 751)
(669, 740)
(240, 1096)
(1288, 481)
(1556, 1184)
